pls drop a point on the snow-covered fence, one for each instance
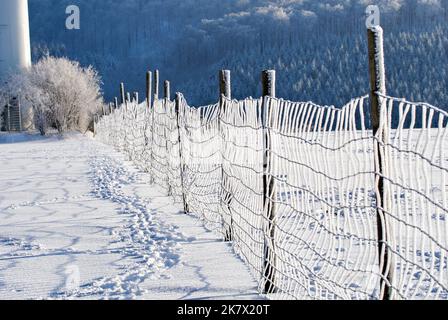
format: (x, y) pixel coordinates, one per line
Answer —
(347, 206)
(415, 197)
(325, 240)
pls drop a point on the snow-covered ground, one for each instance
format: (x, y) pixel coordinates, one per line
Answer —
(74, 212)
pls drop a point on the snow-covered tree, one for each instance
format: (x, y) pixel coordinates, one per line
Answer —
(60, 92)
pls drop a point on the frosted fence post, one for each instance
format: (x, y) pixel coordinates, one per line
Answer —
(9, 116)
(20, 114)
(166, 135)
(122, 94)
(155, 93)
(149, 105)
(181, 165)
(156, 84)
(94, 125)
(135, 97)
(378, 85)
(128, 100)
(268, 82)
(148, 89)
(225, 84)
(167, 147)
(167, 90)
(116, 103)
(225, 92)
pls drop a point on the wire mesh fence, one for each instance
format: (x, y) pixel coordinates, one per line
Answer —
(324, 209)
(294, 186)
(414, 147)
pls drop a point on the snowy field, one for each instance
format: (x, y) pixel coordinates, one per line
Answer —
(73, 212)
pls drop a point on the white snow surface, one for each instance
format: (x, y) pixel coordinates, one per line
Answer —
(73, 211)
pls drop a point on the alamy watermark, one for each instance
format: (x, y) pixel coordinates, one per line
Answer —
(73, 281)
(73, 21)
(373, 16)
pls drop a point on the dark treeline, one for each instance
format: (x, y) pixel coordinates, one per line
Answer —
(317, 47)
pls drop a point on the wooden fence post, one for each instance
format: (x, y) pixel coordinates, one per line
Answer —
(20, 113)
(9, 116)
(268, 83)
(156, 84)
(166, 133)
(167, 90)
(378, 86)
(225, 85)
(127, 102)
(122, 94)
(181, 166)
(149, 89)
(225, 91)
(154, 97)
(166, 86)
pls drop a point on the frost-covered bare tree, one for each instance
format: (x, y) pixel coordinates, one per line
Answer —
(31, 98)
(60, 92)
(71, 93)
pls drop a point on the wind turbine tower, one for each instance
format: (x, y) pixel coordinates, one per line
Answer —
(15, 52)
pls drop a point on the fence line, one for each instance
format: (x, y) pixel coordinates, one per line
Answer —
(295, 187)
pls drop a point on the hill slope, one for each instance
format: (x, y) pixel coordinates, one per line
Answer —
(318, 47)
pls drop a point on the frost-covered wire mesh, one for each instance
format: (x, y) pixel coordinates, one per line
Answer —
(242, 184)
(293, 186)
(415, 153)
(325, 235)
(159, 144)
(135, 132)
(201, 162)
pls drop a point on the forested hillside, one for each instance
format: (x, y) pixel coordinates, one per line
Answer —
(317, 47)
